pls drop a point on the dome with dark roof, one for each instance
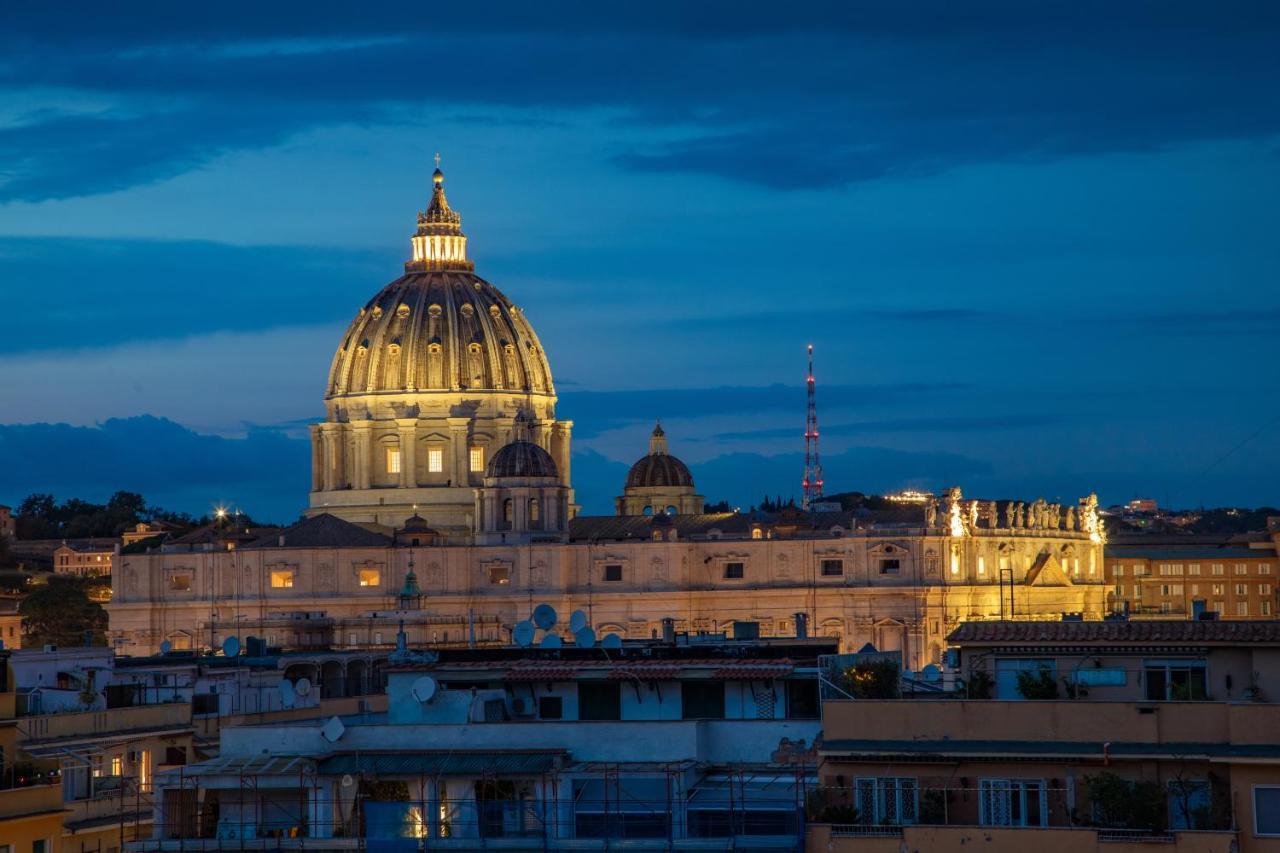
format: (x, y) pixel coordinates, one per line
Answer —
(659, 468)
(522, 458)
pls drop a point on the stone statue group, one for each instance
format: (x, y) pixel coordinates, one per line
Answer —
(1018, 515)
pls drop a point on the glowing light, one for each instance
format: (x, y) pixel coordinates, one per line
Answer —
(220, 512)
(910, 496)
(1090, 521)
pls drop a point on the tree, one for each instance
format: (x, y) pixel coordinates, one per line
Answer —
(60, 612)
(35, 518)
(1037, 684)
(875, 679)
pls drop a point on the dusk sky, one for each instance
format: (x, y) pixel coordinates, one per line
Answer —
(1034, 245)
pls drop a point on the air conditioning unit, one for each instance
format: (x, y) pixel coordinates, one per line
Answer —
(521, 707)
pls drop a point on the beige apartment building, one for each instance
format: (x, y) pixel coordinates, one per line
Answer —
(1235, 582)
(84, 558)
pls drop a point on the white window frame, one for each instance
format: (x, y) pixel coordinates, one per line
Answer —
(393, 460)
(1253, 804)
(475, 458)
(1009, 788)
(435, 460)
(883, 787)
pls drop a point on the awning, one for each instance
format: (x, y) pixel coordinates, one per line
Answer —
(254, 765)
(758, 671)
(441, 763)
(656, 671)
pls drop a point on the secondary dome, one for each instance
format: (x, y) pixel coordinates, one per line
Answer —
(659, 468)
(439, 327)
(522, 459)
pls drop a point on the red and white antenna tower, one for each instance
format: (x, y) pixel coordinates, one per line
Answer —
(812, 465)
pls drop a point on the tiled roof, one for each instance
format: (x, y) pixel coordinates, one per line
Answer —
(1138, 631)
(322, 531)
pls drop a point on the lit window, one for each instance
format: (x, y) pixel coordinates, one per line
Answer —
(435, 460)
(1217, 568)
(1193, 569)
(117, 765)
(757, 533)
(1219, 589)
(393, 460)
(982, 565)
(282, 579)
(1242, 568)
(370, 577)
(500, 574)
(535, 511)
(477, 458)
(1264, 569)
(181, 583)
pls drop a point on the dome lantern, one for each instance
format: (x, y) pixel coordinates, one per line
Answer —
(439, 243)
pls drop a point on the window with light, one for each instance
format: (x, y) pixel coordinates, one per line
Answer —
(393, 460)
(477, 458)
(282, 579)
(435, 460)
(370, 577)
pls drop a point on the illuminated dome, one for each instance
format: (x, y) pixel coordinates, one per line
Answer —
(425, 389)
(439, 327)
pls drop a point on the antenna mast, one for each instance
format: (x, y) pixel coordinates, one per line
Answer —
(812, 482)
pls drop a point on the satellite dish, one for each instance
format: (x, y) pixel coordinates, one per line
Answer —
(231, 646)
(424, 689)
(585, 637)
(166, 647)
(287, 697)
(577, 621)
(544, 616)
(611, 641)
(333, 730)
(523, 634)
(303, 687)
(347, 780)
(551, 641)
(932, 672)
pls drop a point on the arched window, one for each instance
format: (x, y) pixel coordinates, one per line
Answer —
(671, 510)
(535, 513)
(508, 513)
(647, 510)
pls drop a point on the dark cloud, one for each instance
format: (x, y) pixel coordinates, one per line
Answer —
(266, 472)
(596, 411)
(995, 423)
(173, 288)
(847, 93)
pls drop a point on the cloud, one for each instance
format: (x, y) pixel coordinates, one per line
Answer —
(597, 411)
(926, 424)
(265, 473)
(104, 292)
(847, 95)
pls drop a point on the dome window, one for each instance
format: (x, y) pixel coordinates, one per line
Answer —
(494, 311)
(434, 311)
(402, 311)
(466, 310)
(377, 312)
(473, 348)
(648, 510)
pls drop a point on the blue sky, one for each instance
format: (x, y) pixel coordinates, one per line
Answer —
(1033, 244)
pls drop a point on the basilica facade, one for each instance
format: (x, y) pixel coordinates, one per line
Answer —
(441, 502)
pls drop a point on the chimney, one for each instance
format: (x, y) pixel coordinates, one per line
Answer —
(668, 630)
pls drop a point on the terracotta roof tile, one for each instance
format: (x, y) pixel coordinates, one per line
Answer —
(1138, 631)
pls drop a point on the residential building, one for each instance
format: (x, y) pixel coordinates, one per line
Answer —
(31, 809)
(1231, 581)
(8, 524)
(685, 740)
(1170, 739)
(85, 558)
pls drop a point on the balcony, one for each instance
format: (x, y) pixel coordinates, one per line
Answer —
(76, 725)
(991, 839)
(33, 800)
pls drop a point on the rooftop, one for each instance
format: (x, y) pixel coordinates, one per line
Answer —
(1143, 632)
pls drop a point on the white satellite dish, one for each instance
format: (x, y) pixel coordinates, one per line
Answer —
(523, 634)
(333, 730)
(347, 780)
(231, 646)
(303, 687)
(611, 641)
(166, 647)
(577, 621)
(585, 637)
(424, 689)
(287, 697)
(551, 641)
(544, 616)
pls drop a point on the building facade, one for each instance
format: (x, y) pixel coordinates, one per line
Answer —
(1233, 582)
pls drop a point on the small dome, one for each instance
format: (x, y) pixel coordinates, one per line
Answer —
(416, 524)
(522, 459)
(659, 468)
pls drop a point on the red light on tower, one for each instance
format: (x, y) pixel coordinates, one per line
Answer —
(812, 481)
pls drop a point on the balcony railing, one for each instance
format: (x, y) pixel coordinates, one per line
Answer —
(77, 724)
